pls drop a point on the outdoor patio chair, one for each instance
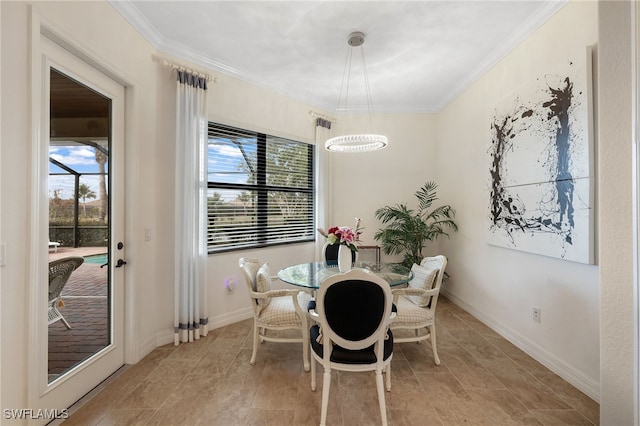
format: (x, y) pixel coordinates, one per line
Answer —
(59, 272)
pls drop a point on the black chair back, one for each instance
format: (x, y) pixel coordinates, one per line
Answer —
(354, 309)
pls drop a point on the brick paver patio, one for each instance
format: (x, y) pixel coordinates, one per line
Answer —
(85, 308)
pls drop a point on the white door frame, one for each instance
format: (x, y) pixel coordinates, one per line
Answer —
(2, 246)
(635, 125)
(37, 378)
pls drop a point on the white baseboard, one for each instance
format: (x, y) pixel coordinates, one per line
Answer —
(147, 347)
(230, 318)
(583, 383)
(165, 337)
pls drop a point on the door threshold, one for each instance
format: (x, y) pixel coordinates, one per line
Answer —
(92, 393)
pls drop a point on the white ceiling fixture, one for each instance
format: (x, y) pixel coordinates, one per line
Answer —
(427, 52)
(355, 142)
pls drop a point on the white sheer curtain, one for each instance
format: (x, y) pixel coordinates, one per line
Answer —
(323, 183)
(191, 313)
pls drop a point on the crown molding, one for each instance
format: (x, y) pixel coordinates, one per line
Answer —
(133, 15)
(519, 35)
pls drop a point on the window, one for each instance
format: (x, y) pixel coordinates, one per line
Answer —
(260, 190)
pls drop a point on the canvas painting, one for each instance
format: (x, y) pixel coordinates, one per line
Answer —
(541, 165)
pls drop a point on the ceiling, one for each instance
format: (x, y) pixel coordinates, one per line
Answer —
(419, 55)
(70, 99)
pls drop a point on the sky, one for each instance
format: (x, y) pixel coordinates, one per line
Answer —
(224, 162)
(224, 159)
(79, 158)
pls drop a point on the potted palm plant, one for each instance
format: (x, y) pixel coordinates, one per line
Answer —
(407, 230)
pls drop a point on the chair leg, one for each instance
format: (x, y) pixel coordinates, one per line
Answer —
(381, 402)
(255, 343)
(305, 344)
(326, 385)
(61, 317)
(65, 322)
(388, 376)
(432, 331)
(313, 373)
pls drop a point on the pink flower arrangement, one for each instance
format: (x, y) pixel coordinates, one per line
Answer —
(343, 235)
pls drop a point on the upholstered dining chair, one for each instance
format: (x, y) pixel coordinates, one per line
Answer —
(275, 310)
(353, 312)
(416, 303)
(59, 272)
(331, 254)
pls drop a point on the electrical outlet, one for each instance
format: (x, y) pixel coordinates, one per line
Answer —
(229, 285)
(537, 312)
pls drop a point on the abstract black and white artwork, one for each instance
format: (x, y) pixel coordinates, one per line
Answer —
(540, 171)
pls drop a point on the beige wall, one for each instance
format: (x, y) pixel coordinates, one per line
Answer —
(498, 285)
(362, 183)
(615, 149)
(13, 228)
(99, 32)
(399, 170)
(239, 104)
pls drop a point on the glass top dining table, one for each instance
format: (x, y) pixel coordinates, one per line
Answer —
(312, 274)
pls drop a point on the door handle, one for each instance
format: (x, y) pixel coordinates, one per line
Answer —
(120, 263)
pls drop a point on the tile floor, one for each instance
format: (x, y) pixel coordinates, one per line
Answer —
(482, 380)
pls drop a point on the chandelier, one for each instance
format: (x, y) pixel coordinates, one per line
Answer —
(356, 142)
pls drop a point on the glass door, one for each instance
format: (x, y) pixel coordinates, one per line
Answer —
(83, 129)
(79, 147)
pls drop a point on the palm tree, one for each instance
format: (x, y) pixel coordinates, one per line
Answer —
(85, 192)
(246, 199)
(101, 159)
(407, 231)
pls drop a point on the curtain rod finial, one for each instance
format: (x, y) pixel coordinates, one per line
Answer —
(173, 66)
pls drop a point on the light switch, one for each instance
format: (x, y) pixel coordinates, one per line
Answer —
(147, 234)
(3, 253)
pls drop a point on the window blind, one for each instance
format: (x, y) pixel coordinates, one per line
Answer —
(260, 189)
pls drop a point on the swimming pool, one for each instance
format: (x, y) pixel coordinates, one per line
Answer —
(96, 259)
